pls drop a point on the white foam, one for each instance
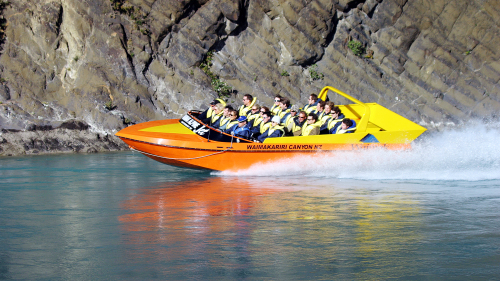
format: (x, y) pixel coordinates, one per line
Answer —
(469, 152)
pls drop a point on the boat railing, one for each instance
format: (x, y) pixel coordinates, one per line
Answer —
(363, 122)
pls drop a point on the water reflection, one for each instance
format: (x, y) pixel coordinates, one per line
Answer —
(253, 226)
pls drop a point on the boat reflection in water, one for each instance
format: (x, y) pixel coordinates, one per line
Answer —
(235, 227)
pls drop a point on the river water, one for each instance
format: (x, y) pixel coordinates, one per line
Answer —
(431, 213)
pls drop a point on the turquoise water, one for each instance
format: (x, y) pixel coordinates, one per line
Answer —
(427, 214)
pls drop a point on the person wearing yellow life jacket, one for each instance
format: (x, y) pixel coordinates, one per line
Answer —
(248, 102)
(263, 125)
(298, 123)
(253, 114)
(207, 114)
(274, 131)
(225, 117)
(320, 109)
(216, 115)
(335, 121)
(233, 121)
(312, 126)
(347, 126)
(256, 121)
(287, 119)
(275, 109)
(284, 108)
(327, 116)
(313, 101)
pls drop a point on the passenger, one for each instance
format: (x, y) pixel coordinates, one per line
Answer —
(225, 117)
(320, 109)
(256, 122)
(312, 126)
(276, 107)
(254, 114)
(207, 114)
(233, 121)
(347, 126)
(313, 101)
(216, 115)
(287, 119)
(259, 129)
(327, 116)
(242, 129)
(274, 131)
(335, 121)
(284, 107)
(248, 102)
(298, 123)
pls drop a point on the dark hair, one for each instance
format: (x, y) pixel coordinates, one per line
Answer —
(331, 104)
(268, 113)
(285, 101)
(336, 109)
(313, 115)
(230, 107)
(249, 97)
(347, 121)
(305, 113)
(266, 109)
(314, 97)
(321, 103)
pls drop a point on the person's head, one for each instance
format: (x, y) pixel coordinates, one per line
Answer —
(313, 98)
(255, 108)
(346, 123)
(312, 118)
(329, 106)
(247, 99)
(284, 103)
(335, 112)
(320, 106)
(242, 121)
(302, 116)
(277, 99)
(264, 109)
(275, 120)
(233, 114)
(266, 116)
(213, 104)
(294, 110)
(227, 109)
(218, 108)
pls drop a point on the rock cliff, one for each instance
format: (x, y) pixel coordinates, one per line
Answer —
(105, 64)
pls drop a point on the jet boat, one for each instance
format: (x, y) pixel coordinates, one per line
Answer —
(188, 142)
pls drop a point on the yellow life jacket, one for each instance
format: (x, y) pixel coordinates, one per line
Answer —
(215, 117)
(340, 131)
(309, 108)
(275, 109)
(324, 118)
(244, 110)
(277, 127)
(253, 116)
(306, 129)
(282, 113)
(257, 121)
(264, 126)
(223, 122)
(230, 124)
(333, 122)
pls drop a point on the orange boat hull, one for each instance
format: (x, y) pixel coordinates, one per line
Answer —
(186, 149)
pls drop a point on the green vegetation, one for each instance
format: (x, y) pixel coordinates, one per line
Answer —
(76, 58)
(468, 52)
(109, 105)
(3, 80)
(356, 47)
(315, 75)
(220, 87)
(127, 121)
(285, 73)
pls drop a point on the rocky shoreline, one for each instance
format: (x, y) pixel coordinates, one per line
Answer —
(70, 137)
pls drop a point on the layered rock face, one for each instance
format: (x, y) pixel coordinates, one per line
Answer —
(108, 64)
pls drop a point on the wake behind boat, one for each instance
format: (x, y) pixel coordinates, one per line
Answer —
(188, 142)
